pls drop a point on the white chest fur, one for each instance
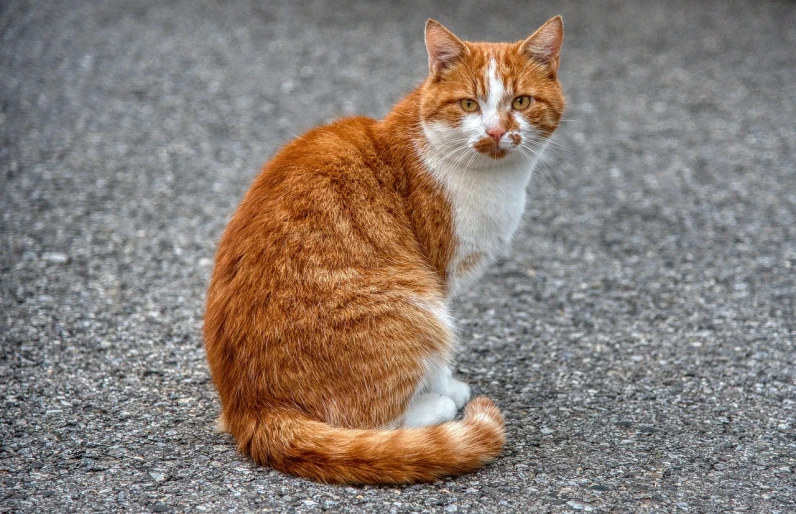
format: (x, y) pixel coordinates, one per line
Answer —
(487, 195)
(487, 204)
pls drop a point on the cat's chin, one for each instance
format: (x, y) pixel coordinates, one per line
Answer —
(496, 158)
(486, 146)
(495, 153)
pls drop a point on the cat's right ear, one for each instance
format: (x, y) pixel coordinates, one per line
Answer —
(444, 49)
(544, 45)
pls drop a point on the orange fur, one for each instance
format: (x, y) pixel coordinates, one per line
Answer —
(314, 333)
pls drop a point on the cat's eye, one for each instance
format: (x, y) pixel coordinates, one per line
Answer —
(521, 102)
(468, 104)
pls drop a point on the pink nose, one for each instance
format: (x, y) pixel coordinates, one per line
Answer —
(496, 133)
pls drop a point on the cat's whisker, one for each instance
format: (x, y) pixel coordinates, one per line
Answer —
(334, 279)
(541, 145)
(550, 143)
(549, 177)
(456, 154)
(544, 157)
(539, 164)
(466, 150)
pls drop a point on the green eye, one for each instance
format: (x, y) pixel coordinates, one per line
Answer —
(468, 104)
(521, 102)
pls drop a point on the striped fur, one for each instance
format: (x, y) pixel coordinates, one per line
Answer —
(327, 327)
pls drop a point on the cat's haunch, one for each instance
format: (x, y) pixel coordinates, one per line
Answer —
(328, 331)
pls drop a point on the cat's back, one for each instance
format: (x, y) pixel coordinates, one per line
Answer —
(344, 148)
(327, 199)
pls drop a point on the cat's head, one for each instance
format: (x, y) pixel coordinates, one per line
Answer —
(485, 102)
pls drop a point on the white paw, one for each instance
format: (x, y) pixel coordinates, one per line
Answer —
(458, 391)
(429, 409)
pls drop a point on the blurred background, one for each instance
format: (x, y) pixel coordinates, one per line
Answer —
(640, 339)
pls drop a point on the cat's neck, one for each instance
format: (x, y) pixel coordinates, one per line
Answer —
(401, 129)
(484, 201)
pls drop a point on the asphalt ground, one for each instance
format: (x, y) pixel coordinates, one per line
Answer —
(640, 338)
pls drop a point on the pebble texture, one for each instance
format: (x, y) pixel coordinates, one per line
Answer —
(640, 338)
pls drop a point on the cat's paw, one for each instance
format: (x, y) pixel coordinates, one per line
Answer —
(429, 409)
(221, 425)
(458, 391)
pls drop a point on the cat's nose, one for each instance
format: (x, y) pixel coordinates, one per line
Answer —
(495, 133)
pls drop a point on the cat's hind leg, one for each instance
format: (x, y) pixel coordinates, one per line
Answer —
(221, 425)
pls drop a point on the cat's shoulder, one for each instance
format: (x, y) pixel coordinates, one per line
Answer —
(343, 148)
(344, 138)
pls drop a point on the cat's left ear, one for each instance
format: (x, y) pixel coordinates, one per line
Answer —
(544, 45)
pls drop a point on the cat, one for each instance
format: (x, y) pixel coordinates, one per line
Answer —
(328, 331)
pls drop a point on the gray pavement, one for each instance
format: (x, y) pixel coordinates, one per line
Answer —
(640, 339)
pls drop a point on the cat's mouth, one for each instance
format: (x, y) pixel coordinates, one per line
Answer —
(488, 147)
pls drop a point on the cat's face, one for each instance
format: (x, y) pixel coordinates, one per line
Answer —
(485, 102)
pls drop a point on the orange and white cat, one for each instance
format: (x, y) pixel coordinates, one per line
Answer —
(328, 330)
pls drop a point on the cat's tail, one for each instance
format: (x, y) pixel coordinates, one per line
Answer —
(296, 444)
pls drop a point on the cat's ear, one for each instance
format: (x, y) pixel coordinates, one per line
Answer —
(444, 49)
(544, 45)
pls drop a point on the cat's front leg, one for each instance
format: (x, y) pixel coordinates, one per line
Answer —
(429, 409)
(440, 380)
(458, 391)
